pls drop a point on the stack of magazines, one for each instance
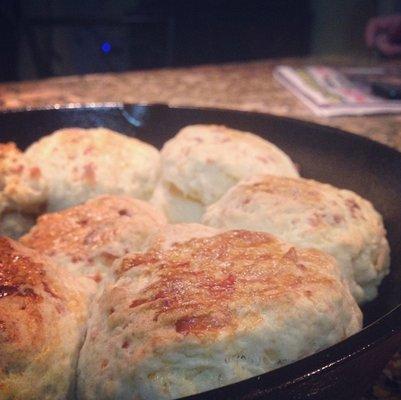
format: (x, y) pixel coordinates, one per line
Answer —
(330, 92)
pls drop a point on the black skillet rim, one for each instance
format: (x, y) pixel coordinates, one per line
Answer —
(368, 338)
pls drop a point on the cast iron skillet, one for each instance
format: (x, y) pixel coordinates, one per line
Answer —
(329, 155)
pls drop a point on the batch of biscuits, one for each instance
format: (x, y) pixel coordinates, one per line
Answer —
(132, 273)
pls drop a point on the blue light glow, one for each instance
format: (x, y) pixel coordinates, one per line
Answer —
(106, 47)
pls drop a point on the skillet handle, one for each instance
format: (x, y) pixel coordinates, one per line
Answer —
(140, 115)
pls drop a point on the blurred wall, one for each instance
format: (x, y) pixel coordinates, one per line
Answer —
(62, 37)
(338, 26)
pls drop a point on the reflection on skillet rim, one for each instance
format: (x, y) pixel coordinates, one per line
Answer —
(384, 331)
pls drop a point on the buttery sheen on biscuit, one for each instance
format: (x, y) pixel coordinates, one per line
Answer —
(87, 238)
(312, 214)
(43, 312)
(22, 191)
(209, 312)
(203, 161)
(79, 164)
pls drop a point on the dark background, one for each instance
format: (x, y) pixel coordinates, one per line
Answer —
(45, 38)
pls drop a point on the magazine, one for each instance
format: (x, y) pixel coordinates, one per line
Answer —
(330, 92)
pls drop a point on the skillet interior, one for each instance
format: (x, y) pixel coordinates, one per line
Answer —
(326, 154)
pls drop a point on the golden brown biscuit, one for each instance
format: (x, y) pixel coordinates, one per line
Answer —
(86, 239)
(208, 312)
(42, 322)
(311, 214)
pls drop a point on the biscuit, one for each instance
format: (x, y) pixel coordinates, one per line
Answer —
(177, 208)
(79, 164)
(209, 312)
(43, 312)
(22, 191)
(312, 214)
(86, 239)
(203, 161)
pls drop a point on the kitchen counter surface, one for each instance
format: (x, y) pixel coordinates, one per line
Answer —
(246, 86)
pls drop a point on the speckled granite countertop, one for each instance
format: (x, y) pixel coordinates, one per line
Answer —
(247, 86)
